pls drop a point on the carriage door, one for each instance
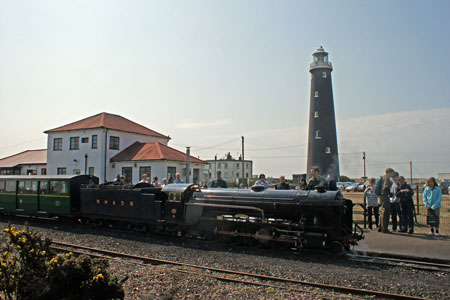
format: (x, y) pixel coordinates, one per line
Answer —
(27, 198)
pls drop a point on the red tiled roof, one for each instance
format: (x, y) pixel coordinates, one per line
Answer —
(152, 151)
(110, 121)
(28, 157)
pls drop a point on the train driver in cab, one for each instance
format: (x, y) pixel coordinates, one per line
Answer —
(219, 182)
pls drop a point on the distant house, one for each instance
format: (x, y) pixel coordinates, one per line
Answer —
(30, 162)
(107, 145)
(231, 169)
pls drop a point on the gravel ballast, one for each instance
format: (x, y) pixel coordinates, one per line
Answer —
(164, 282)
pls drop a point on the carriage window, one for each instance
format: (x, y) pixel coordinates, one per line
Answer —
(57, 187)
(43, 187)
(21, 189)
(2, 185)
(32, 186)
(10, 186)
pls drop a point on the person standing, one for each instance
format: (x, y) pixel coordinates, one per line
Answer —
(432, 197)
(371, 201)
(178, 178)
(302, 185)
(283, 185)
(383, 190)
(406, 206)
(155, 182)
(164, 182)
(262, 181)
(395, 202)
(331, 183)
(144, 179)
(315, 179)
(219, 182)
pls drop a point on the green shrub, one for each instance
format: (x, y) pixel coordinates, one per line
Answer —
(30, 269)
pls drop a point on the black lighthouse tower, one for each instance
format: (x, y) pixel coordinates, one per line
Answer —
(322, 140)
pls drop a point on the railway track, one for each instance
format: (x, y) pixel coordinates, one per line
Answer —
(413, 263)
(232, 276)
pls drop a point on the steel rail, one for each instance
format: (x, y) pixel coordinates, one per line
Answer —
(411, 263)
(235, 280)
(259, 276)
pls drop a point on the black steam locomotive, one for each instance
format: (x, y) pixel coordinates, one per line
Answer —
(300, 219)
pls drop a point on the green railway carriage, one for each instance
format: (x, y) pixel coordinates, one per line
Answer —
(47, 196)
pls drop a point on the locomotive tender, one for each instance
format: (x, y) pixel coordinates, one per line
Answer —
(300, 219)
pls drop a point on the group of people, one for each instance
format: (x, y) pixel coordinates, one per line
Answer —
(396, 203)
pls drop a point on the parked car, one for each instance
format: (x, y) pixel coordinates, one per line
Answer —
(353, 187)
(445, 186)
(341, 185)
(362, 186)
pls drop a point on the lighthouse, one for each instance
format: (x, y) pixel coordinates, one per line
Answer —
(322, 139)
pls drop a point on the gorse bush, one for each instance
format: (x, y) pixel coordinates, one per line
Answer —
(30, 269)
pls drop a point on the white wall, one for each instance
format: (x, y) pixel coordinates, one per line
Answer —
(75, 159)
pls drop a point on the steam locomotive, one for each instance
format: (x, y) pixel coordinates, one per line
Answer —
(299, 219)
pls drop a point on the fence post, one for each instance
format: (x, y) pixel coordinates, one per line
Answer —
(417, 198)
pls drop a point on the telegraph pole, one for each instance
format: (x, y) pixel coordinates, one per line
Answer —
(243, 174)
(364, 159)
(410, 171)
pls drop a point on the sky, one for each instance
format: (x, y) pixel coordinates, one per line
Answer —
(208, 72)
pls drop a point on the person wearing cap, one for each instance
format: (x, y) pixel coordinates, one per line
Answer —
(262, 181)
(219, 182)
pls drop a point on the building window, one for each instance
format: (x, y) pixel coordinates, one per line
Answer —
(171, 171)
(31, 172)
(246, 175)
(316, 94)
(61, 171)
(57, 144)
(76, 171)
(324, 74)
(327, 150)
(225, 174)
(316, 114)
(128, 173)
(91, 171)
(44, 171)
(246, 166)
(318, 135)
(84, 140)
(226, 166)
(74, 143)
(94, 142)
(237, 166)
(237, 175)
(114, 142)
(145, 170)
(219, 165)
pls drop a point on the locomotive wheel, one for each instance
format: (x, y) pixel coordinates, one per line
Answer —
(337, 248)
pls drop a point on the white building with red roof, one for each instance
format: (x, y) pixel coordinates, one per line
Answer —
(107, 145)
(29, 162)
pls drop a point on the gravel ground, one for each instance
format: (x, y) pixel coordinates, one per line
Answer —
(163, 282)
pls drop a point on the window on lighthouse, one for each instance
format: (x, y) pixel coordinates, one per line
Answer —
(316, 114)
(324, 74)
(327, 150)
(318, 135)
(316, 94)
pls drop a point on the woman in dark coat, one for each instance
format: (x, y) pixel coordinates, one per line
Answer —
(405, 194)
